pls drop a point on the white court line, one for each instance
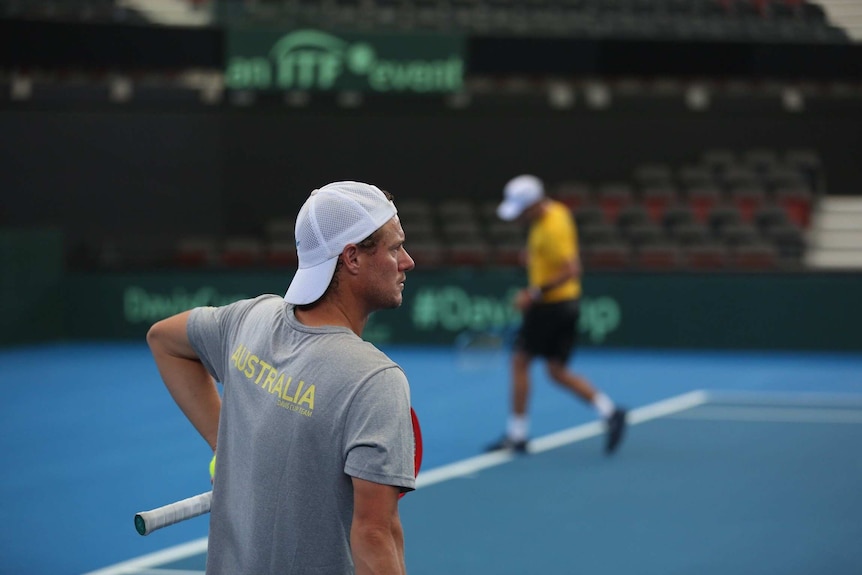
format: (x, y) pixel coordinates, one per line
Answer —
(157, 571)
(142, 565)
(774, 414)
(470, 466)
(788, 399)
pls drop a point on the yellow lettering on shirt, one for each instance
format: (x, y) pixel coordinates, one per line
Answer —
(264, 375)
(284, 394)
(241, 359)
(236, 355)
(264, 369)
(252, 366)
(270, 378)
(308, 397)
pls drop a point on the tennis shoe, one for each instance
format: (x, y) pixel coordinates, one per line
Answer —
(508, 444)
(616, 425)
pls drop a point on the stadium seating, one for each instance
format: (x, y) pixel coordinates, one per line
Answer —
(242, 251)
(196, 251)
(660, 256)
(281, 253)
(725, 210)
(613, 255)
(717, 20)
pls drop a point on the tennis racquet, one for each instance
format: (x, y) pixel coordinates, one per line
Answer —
(148, 521)
(417, 453)
(417, 438)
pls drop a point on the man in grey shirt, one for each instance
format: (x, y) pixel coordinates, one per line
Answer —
(312, 434)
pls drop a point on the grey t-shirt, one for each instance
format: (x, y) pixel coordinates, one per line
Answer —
(304, 410)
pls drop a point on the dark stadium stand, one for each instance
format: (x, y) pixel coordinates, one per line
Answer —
(621, 228)
(719, 20)
(731, 206)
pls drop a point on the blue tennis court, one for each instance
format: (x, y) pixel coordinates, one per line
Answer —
(735, 463)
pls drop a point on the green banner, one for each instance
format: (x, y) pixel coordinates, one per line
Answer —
(31, 285)
(712, 311)
(313, 60)
(441, 307)
(438, 308)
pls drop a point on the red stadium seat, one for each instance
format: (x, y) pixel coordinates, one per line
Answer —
(702, 200)
(659, 256)
(196, 251)
(797, 203)
(612, 198)
(281, 253)
(242, 252)
(606, 256)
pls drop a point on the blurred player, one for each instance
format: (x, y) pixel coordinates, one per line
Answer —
(550, 309)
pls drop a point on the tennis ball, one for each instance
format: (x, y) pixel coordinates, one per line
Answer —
(212, 468)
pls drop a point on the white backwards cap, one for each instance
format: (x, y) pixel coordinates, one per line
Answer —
(332, 217)
(519, 194)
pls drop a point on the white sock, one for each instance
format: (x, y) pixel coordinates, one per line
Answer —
(518, 428)
(603, 405)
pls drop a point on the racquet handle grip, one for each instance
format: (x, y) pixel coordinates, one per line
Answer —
(148, 521)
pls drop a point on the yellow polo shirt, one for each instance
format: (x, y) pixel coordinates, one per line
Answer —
(551, 244)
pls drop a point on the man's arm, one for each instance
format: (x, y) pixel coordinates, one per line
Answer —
(187, 380)
(570, 269)
(376, 535)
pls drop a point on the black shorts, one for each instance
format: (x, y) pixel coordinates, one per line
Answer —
(550, 330)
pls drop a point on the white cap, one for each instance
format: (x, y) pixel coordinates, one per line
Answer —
(519, 194)
(332, 217)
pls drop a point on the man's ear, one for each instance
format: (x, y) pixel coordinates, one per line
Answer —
(350, 257)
